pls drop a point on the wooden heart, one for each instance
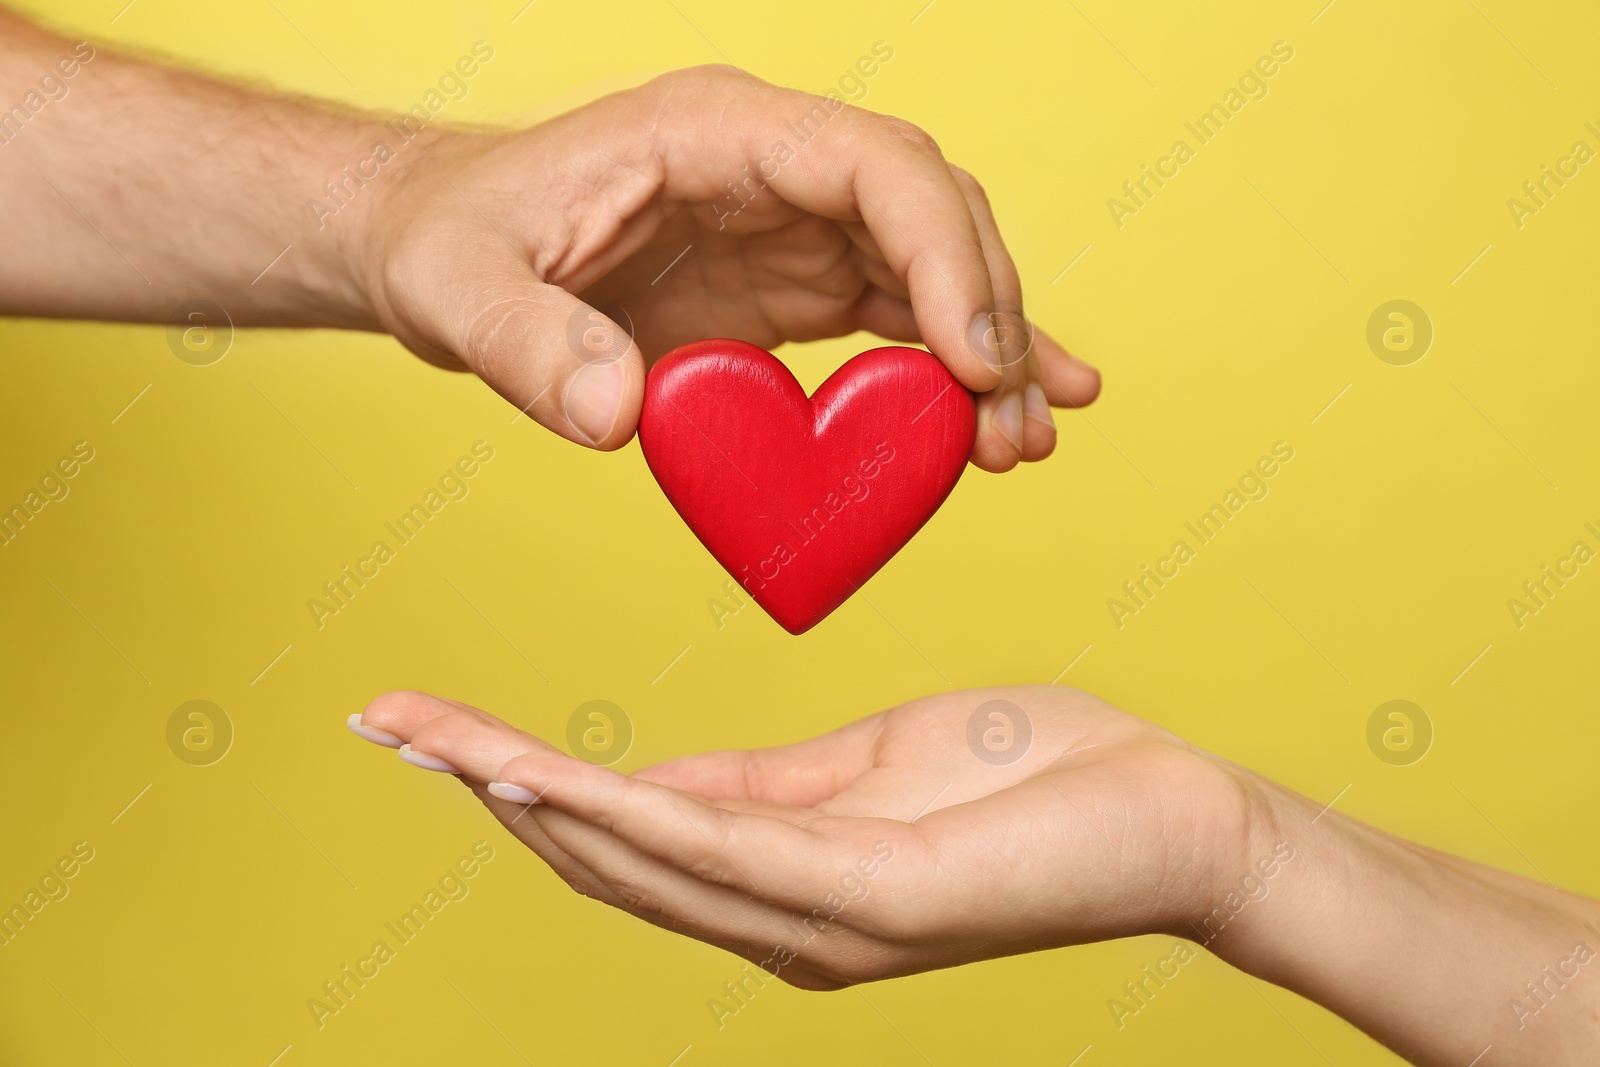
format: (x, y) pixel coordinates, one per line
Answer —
(803, 499)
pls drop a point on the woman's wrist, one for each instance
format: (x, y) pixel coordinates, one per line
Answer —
(1437, 957)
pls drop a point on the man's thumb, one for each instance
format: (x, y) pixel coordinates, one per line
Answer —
(571, 368)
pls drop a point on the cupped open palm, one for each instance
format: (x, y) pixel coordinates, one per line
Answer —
(953, 828)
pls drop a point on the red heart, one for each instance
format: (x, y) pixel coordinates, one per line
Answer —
(802, 500)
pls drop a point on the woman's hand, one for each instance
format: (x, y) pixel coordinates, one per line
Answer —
(689, 208)
(987, 823)
(950, 829)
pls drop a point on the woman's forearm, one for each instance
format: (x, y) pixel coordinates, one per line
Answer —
(136, 188)
(1439, 958)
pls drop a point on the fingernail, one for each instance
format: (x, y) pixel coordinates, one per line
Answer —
(1008, 419)
(427, 762)
(984, 336)
(511, 791)
(594, 398)
(372, 733)
(1036, 407)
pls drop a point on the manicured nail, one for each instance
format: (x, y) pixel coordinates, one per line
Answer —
(1008, 419)
(1036, 407)
(594, 398)
(427, 762)
(511, 791)
(372, 733)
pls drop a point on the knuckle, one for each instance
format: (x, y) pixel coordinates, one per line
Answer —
(394, 710)
(970, 185)
(700, 72)
(707, 77)
(490, 335)
(439, 733)
(519, 767)
(916, 135)
(718, 71)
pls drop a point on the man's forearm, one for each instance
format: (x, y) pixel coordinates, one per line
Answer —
(1435, 956)
(134, 188)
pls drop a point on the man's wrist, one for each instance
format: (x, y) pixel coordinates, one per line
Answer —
(347, 185)
(411, 186)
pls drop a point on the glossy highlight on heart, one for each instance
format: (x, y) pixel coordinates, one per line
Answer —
(803, 499)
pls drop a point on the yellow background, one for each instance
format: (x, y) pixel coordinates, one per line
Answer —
(1227, 315)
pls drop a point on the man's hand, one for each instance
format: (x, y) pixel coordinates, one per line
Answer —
(690, 207)
(683, 208)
